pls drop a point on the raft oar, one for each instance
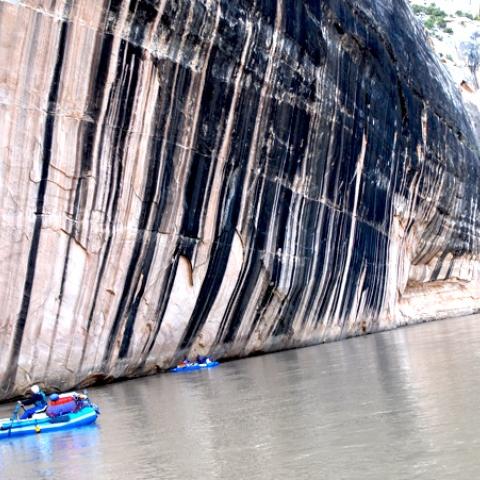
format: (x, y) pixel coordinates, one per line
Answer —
(14, 417)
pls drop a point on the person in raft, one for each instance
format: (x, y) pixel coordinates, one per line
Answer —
(38, 399)
(203, 359)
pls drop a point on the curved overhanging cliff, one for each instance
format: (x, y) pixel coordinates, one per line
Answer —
(184, 177)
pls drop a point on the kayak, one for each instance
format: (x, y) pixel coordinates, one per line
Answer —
(41, 422)
(188, 367)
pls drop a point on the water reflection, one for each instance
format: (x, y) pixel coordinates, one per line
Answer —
(397, 405)
(53, 455)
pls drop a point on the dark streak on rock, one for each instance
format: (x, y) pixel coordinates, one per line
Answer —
(53, 94)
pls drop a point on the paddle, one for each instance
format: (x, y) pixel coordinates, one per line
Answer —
(14, 416)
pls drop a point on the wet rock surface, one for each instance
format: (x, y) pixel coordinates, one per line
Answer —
(223, 177)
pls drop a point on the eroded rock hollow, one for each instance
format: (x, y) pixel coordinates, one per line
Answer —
(214, 176)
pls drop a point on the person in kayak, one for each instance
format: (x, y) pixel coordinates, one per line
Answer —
(38, 399)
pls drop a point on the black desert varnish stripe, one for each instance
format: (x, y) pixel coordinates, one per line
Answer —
(128, 91)
(198, 186)
(252, 264)
(233, 175)
(210, 286)
(230, 200)
(101, 56)
(296, 289)
(96, 94)
(163, 182)
(284, 163)
(185, 247)
(98, 284)
(165, 292)
(126, 99)
(214, 106)
(103, 67)
(95, 105)
(139, 265)
(12, 365)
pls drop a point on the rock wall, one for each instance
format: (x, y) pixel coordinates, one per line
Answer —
(192, 176)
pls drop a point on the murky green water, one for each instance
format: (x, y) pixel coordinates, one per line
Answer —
(397, 405)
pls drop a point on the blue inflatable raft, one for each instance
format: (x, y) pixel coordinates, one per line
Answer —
(188, 367)
(41, 422)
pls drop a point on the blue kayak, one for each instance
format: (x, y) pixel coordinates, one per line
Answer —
(188, 367)
(42, 423)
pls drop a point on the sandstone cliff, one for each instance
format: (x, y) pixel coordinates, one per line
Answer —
(192, 176)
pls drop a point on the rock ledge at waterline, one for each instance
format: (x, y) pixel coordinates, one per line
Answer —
(223, 176)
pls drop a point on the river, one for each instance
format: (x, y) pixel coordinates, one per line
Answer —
(395, 405)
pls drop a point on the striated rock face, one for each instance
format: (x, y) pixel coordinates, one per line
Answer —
(191, 176)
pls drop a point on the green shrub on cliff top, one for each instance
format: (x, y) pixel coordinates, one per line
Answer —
(433, 17)
(459, 13)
